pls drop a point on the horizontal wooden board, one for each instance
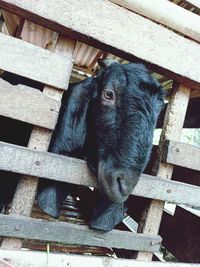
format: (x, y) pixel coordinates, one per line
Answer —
(37, 229)
(194, 3)
(40, 259)
(182, 154)
(65, 169)
(166, 13)
(33, 62)
(27, 104)
(127, 34)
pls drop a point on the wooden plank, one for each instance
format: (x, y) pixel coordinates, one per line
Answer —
(40, 259)
(33, 62)
(37, 229)
(40, 138)
(65, 169)
(194, 3)
(27, 104)
(182, 154)
(172, 127)
(166, 13)
(93, 25)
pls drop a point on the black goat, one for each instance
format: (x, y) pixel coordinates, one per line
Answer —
(109, 121)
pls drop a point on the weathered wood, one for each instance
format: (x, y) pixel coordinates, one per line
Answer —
(182, 154)
(40, 139)
(33, 62)
(194, 3)
(65, 169)
(92, 24)
(172, 128)
(27, 104)
(166, 13)
(24, 227)
(40, 259)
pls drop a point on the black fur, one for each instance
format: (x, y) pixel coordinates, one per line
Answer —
(115, 138)
(120, 136)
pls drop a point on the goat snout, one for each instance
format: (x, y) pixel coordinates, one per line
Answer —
(117, 185)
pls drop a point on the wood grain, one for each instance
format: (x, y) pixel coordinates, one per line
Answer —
(28, 105)
(37, 229)
(33, 62)
(172, 127)
(127, 34)
(65, 169)
(181, 154)
(166, 13)
(40, 259)
(40, 138)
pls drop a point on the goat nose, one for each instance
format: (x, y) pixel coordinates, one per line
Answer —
(122, 185)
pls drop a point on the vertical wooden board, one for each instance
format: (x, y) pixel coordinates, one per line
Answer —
(172, 128)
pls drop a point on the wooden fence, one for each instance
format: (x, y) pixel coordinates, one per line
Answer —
(114, 29)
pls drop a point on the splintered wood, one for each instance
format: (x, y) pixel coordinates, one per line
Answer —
(172, 128)
(40, 137)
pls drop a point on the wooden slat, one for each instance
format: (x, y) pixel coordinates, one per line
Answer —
(24, 227)
(172, 127)
(194, 3)
(122, 35)
(27, 104)
(40, 138)
(33, 62)
(183, 155)
(166, 13)
(41, 259)
(65, 169)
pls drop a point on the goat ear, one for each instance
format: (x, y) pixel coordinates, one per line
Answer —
(68, 139)
(71, 128)
(106, 62)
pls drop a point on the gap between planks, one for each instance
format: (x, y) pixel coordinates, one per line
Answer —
(92, 25)
(172, 127)
(40, 137)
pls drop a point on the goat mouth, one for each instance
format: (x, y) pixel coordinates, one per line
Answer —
(112, 195)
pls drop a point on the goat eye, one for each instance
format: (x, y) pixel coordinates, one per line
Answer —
(108, 94)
